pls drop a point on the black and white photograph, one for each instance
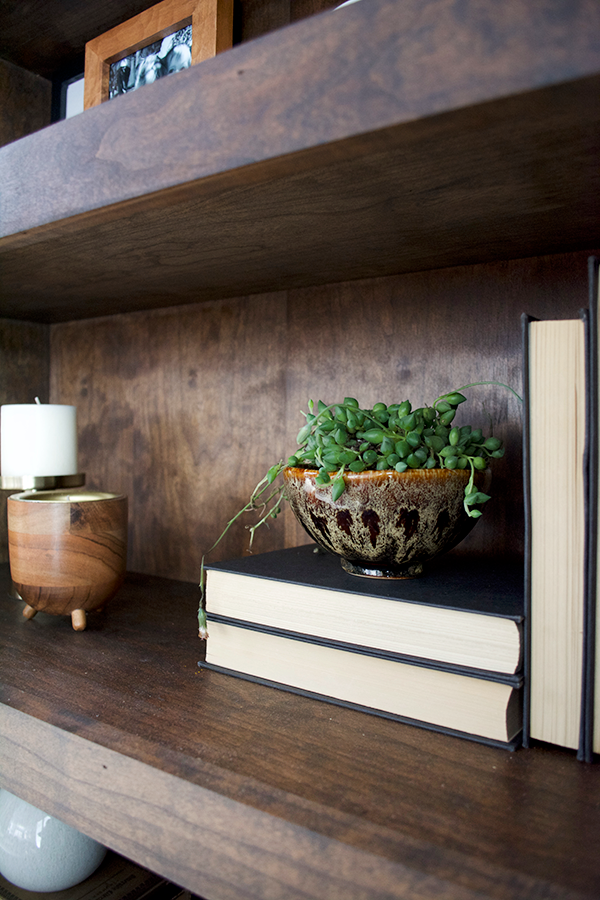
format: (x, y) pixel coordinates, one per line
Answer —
(171, 54)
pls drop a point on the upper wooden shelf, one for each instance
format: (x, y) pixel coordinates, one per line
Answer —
(390, 136)
(236, 790)
(49, 37)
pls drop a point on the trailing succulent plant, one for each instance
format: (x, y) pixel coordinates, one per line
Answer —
(342, 437)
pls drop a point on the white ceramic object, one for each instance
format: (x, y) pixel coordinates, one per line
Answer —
(41, 853)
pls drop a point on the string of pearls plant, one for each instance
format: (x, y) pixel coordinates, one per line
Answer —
(342, 437)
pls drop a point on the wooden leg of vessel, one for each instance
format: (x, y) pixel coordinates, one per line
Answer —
(29, 612)
(78, 619)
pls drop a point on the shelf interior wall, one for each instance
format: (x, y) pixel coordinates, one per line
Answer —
(184, 409)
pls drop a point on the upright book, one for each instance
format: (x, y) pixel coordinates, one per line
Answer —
(591, 646)
(555, 450)
(294, 619)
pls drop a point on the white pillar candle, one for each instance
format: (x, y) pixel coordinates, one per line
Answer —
(38, 439)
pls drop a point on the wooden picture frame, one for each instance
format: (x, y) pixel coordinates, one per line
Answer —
(212, 28)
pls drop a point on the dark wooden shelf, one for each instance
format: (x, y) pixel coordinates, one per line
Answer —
(49, 37)
(236, 790)
(392, 136)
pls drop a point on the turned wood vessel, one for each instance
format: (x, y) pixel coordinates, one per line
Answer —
(67, 550)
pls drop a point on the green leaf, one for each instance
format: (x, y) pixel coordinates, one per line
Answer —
(492, 444)
(454, 399)
(304, 433)
(273, 473)
(373, 435)
(337, 488)
(408, 422)
(476, 497)
(387, 446)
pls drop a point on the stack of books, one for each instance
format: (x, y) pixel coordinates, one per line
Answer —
(443, 651)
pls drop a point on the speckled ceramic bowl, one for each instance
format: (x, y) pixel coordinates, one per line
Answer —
(385, 524)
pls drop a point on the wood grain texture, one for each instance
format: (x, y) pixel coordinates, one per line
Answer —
(185, 409)
(180, 410)
(53, 33)
(25, 101)
(235, 790)
(215, 28)
(67, 555)
(308, 178)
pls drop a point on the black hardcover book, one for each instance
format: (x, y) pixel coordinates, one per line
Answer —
(462, 611)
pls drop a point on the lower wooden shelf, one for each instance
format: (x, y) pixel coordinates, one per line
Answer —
(235, 790)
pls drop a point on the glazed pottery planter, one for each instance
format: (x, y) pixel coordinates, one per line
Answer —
(67, 551)
(41, 853)
(386, 524)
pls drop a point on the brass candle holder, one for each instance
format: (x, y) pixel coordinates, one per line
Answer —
(40, 482)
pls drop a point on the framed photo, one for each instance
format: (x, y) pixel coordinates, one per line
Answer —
(161, 40)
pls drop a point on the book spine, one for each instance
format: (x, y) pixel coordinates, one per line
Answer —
(525, 322)
(515, 681)
(490, 742)
(585, 750)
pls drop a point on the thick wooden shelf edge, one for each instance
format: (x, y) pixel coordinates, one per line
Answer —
(215, 846)
(341, 147)
(235, 790)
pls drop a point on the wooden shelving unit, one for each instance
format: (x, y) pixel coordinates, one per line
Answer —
(366, 198)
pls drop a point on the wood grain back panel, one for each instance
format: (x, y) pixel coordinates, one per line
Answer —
(25, 102)
(185, 409)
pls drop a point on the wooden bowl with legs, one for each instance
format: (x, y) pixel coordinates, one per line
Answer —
(67, 550)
